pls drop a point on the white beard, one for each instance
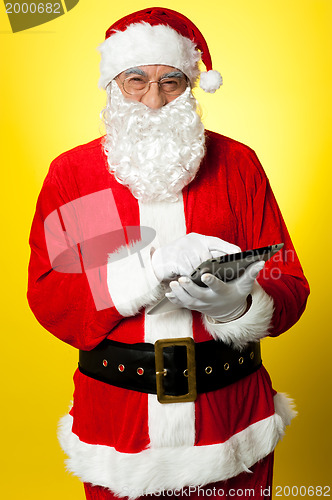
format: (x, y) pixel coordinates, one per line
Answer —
(153, 152)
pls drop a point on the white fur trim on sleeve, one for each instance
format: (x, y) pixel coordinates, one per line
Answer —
(250, 327)
(131, 281)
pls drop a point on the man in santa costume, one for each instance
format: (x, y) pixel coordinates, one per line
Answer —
(123, 220)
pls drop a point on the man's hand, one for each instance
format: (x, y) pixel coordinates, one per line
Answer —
(221, 301)
(182, 256)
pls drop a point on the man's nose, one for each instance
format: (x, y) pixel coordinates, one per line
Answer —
(154, 98)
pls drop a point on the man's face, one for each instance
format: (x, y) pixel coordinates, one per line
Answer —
(154, 85)
(152, 148)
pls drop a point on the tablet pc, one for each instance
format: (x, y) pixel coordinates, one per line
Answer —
(227, 267)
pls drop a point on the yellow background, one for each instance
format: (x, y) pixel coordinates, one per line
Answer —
(275, 60)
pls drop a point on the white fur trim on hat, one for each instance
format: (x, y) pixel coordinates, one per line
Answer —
(142, 44)
(210, 81)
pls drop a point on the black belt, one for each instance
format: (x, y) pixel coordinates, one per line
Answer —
(174, 369)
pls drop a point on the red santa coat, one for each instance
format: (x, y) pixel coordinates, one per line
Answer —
(126, 440)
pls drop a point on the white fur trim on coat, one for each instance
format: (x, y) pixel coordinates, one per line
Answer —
(250, 327)
(169, 425)
(131, 281)
(285, 407)
(156, 469)
(142, 44)
(174, 424)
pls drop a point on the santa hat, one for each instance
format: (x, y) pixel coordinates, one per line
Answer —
(157, 36)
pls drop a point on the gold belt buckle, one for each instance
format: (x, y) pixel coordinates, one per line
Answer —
(161, 371)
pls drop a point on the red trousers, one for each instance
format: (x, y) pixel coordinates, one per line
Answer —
(257, 485)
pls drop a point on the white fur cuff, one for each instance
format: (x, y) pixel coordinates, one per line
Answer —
(131, 281)
(250, 327)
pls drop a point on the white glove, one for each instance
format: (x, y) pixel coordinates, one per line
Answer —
(182, 256)
(221, 301)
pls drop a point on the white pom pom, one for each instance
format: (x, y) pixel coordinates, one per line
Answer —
(210, 81)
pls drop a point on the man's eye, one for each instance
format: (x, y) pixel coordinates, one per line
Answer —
(135, 83)
(170, 84)
(136, 79)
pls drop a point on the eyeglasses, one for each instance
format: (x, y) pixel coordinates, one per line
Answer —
(140, 85)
